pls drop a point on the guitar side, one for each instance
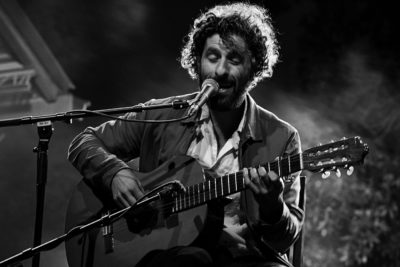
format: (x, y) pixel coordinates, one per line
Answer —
(130, 247)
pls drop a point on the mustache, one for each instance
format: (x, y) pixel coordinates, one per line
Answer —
(224, 82)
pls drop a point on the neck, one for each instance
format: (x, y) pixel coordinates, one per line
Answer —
(226, 121)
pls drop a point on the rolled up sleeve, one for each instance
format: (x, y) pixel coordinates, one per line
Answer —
(100, 152)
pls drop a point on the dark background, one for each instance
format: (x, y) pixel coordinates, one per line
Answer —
(337, 76)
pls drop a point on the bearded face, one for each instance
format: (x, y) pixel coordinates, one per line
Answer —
(229, 62)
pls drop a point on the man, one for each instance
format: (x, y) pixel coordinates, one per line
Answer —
(235, 46)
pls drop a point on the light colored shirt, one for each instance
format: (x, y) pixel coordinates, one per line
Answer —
(204, 148)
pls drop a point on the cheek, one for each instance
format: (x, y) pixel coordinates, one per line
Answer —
(239, 73)
(205, 67)
(244, 73)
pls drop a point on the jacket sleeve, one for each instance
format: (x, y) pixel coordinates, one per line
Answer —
(100, 152)
(282, 234)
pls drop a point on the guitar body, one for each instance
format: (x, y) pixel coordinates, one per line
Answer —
(161, 231)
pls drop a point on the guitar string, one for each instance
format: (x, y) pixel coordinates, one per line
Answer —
(202, 196)
(191, 201)
(163, 205)
(193, 198)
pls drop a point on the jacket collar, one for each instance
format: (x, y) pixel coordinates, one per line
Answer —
(252, 128)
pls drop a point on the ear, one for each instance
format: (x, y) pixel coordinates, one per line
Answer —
(253, 65)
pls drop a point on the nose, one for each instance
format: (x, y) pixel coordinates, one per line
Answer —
(221, 69)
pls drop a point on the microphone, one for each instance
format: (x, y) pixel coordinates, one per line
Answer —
(208, 88)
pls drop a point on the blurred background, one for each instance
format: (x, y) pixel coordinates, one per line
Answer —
(337, 76)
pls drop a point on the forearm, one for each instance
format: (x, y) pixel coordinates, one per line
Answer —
(93, 160)
(100, 152)
(281, 234)
(281, 219)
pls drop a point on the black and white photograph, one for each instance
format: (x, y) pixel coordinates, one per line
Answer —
(199, 133)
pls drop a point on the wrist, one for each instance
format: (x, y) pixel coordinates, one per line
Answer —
(271, 211)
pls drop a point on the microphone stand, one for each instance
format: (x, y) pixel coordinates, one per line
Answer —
(104, 220)
(45, 130)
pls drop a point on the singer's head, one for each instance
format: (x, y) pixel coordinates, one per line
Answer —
(233, 44)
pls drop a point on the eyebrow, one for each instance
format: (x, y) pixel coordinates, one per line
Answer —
(212, 50)
(235, 53)
(231, 52)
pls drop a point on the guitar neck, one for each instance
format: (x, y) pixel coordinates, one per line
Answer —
(199, 194)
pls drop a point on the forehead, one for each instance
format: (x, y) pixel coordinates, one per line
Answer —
(230, 43)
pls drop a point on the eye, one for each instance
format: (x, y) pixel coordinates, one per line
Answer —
(212, 57)
(236, 61)
(235, 58)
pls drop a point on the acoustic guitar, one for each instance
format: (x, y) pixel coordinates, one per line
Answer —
(180, 218)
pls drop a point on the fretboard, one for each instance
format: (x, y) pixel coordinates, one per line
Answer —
(214, 188)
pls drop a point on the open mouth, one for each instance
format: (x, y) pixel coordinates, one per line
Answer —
(225, 86)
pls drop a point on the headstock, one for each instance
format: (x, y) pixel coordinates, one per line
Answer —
(340, 154)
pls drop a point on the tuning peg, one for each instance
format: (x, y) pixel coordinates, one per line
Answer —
(343, 138)
(332, 141)
(350, 170)
(338, 173)
(326, 174)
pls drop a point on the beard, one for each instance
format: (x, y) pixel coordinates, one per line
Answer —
(227, 99)
(231, 101)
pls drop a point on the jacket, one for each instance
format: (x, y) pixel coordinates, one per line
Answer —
(100, 152)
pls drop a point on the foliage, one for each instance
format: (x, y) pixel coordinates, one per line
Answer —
(350, 71)
(353, 221)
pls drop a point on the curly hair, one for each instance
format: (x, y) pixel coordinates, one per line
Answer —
(251, 22)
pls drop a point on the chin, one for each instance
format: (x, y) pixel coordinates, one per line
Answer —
(225, 103)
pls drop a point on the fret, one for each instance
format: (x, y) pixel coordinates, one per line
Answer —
(187, 202)
(209, 190)
(176, 203)
(198, 193)
(203, 193)
(191, 196)
(229, 185)
(217, 190)
(222, 186)
(290, 169)
(236, 188)
(183, 200)
(279, 167)
(194, 195)
(269, 166)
